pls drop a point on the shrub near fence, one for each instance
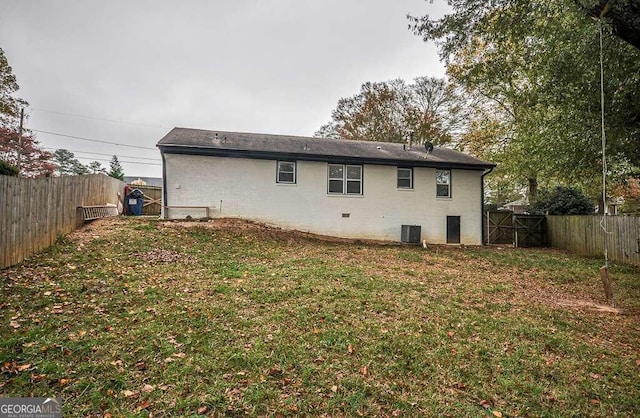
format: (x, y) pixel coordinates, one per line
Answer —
(35, 212)
(582, 234)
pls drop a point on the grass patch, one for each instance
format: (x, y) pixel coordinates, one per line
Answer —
(133, 316)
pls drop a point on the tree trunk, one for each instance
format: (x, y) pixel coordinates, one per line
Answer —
(533, 188)
(600, 206)
(623, 17)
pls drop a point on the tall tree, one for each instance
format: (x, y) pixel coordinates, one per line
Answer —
(20, 151)
(116, 171)
(67, 164)
(622, 15)
(9, 104)
(428, 109)
(95, 167)
(536, 65)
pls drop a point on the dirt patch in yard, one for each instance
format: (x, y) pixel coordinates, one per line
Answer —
(582, 304)
(95, 229)
(159, 255)
(241, 225)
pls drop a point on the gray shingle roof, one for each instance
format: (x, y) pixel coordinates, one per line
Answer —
(251, 145)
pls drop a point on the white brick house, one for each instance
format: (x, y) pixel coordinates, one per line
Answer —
(352, 189)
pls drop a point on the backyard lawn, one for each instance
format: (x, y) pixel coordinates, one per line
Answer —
(138, 317)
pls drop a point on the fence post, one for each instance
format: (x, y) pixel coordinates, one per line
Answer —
(488, 229)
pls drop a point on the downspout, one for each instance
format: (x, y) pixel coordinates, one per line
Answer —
(483, 234)
(164, 186)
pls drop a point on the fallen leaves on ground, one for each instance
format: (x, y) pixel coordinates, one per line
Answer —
(268, 322)
(158, 255)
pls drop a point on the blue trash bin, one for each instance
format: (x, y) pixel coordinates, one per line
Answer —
(134, 202)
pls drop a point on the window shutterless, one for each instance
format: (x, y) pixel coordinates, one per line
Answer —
(345, 179)
(336, 179)
(405, 178)
(286, 172)
(354, 179)
(443, 183)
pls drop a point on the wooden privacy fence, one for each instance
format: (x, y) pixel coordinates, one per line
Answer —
(583, 234)
(35, 212)
(499, 227)
(152, 199)
(504, 227)
(530, 230)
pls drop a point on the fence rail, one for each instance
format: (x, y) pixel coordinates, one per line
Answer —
(35, 212)
(584, 235)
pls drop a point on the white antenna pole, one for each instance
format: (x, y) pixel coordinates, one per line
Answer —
(604, 144)
(604, 271)
(604, 138)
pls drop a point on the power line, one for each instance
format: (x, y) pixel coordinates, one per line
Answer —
(98, 118)
(108, 155)
(122, 162)
(92, 140)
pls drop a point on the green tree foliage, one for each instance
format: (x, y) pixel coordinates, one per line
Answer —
(622, 15)
(389, 111)
(7, 169)
(67, 164)
(561, 201)
(116, 170)
(536, 65)
(95, 167)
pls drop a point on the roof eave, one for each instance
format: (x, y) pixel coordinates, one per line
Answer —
(276, 155)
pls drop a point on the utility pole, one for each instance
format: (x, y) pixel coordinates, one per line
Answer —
(20, 139)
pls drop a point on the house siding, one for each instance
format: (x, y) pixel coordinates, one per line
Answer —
(247, 188)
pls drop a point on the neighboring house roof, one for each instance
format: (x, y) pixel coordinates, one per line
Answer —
(517, 206)
(150, 181)
(520, 202)
(266, 146)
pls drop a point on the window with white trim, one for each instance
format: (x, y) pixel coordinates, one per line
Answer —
(286, 172)
(405, 178)
(344, 179)
(443, 183)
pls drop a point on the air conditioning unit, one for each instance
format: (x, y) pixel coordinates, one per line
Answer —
(410, 234)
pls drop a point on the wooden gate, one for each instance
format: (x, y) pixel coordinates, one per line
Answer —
(530, 231)
(152, 199)
(499, 227)
(505, 227)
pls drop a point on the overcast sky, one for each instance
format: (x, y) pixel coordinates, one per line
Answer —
(129, 71)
